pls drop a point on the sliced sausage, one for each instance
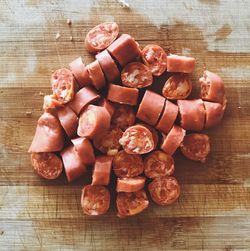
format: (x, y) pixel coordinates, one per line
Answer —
(154, 134)
(108, 66)
(164, 190)
(108, 106)
(212, 87)
(137, 139)
(85, 150)
(124, 49)
(150, 108)
(214, 114)
(47, 165)
(127, 165)
(95, 200)
(123, 117)
(168, 117)
(136, 75)
(63, 85)
(178, 86)
(173, 140)
(195, 146)
(102, 170)
(122, 95)
(158, 164)
(155, 58)
(50, 103)
(96, 75)
(129, 204)
(192, 113)
(129, 185)
(101, 36)
(177, 63)
(68, 120)
(80, 72)
(82, 98)
(109, 141)
(73, 164)
(48, 136)
(94, 121)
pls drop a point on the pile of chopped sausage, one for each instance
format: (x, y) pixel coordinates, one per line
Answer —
(102, 116)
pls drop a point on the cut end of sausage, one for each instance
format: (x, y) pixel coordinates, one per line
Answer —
(130, 184)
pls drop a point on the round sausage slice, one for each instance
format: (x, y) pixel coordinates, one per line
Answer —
(123, 117)
(101, 36)
(63, 85)
(168, 117)
(108, 106)
(95, 200)
(136, 75)
(178, 86)
(192, 113)
(129, 185)
(47, 165)
(127, 165)
(155, 58)
(80, 72)
(129, 204)
(122, 95)
(196, 146)
(137, 139)
(108, 66)
(164, 190)
(177, 63)
(124, 49)
(154, 134)
(102, 170)
(96, 75)
(150, 108)
(109, 142)
(173, 140)
(94, 121)
(158, 164)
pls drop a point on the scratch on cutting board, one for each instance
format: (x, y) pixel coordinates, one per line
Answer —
(31, 61)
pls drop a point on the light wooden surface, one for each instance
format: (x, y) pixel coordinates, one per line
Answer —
(213, 212)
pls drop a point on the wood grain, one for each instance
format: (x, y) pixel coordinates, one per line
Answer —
(213, 212)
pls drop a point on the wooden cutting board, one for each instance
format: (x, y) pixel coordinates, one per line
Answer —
(213, 212)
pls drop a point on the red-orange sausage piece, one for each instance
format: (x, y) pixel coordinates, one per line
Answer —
(214, 114)
(173, 140)
(129, 204)
(196, 146)
(129, 185)
(154, 134)
(212, 87)
(95, 200)
(80, 72)
(94, 121)
(124, 49)
(50, 103)
(85, 150)
(150, 108)
(177, 63)
(101, 36)
(47, 165)
(102, 170)
(63, 85)
(155, 58)
(48, 136)
(82, 98)
(178, 86)
(158, 164)
(108, 106)
(137, 139)
(123, 117)
(164, 190)
(108, 66)
(136, 75)
(127, 165)
(68, 120)
(109, 141)
(73, 164)
(168, 117)
(192, 113)
(96, 75)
